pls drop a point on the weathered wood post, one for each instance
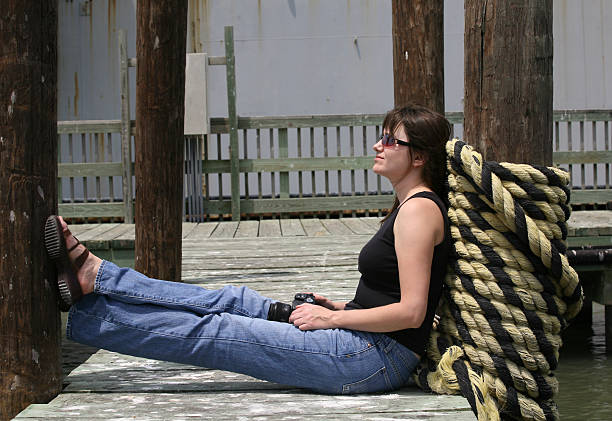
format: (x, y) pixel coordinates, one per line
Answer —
(418, 53)
(508, 79)
(160, 94)
(30, 365)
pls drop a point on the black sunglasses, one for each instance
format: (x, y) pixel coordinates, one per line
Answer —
(388, 141)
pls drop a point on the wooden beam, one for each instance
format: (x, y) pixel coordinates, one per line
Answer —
(160, 93)
(30, 363)
(508, 80)
(418, 53)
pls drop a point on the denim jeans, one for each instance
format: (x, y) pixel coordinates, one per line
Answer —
(227, 329)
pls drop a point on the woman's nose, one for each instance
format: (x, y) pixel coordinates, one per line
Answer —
(377, 146)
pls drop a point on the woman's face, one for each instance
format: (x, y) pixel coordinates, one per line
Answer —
(393, 162)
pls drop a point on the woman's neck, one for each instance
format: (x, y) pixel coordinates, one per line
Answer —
(408, 186)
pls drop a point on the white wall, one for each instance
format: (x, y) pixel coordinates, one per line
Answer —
(312, 56)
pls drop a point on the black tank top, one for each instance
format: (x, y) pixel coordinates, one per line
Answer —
(379, 284)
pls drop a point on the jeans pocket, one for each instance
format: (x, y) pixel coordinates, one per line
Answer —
(401, 361)
(377, 382)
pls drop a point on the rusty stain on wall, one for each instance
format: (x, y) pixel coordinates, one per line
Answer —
(76, 94)
(91, 27)
(112, 21)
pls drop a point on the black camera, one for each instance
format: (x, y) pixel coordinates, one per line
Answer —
(280, 312)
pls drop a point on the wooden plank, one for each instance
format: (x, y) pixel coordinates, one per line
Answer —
(305, 204)
(247, 262)
(290, 164)
(225, 229)
(247, 229)
(273, 404)
(335, 227)
(78, 229)
(291, 227)
(578, 197)
(581, 157)
(233, 121)
(104, 241)
(126, 129)
(91, 210)
(262, 278)
(357, 226)
(89, 169)
(125, 239)
(96, 232)
(304, 245)
(595, 222)
(269, 228)
(89, 126)
(283, 155)
(582, 115)
(201, 232)
(313, 227)
(372, 221)
(187, 228)
(590, 241)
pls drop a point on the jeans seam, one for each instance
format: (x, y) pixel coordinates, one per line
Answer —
(162, 300)
(107, 291)
(98, 280)
(69, 323)
(86, 314)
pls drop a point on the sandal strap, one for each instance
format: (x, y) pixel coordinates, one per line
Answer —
(79, 261)
(76, 245)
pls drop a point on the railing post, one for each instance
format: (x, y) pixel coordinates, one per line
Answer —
(126, 135)
(283, 153)
(230, 69)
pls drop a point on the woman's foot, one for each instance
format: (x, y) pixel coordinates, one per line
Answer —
(76, 267)
(87, 270)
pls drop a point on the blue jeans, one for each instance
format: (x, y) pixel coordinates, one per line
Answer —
(227, 329)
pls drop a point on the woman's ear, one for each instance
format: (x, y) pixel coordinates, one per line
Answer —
(418, 158)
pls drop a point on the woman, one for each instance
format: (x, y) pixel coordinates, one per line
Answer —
(369, 344)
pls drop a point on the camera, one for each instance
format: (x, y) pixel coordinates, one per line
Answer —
(280, 312)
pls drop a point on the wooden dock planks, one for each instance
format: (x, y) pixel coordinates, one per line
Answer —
(111, 386)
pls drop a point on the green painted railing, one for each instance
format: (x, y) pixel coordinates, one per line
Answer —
(291, 153)
(281, 165)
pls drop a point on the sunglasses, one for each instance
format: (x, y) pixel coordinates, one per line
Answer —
(388, 141)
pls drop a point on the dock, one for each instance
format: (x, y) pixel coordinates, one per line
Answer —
(276, 258)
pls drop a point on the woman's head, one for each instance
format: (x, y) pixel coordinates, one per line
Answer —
(427, 133)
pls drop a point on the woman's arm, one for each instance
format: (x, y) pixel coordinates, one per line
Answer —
(418, 227)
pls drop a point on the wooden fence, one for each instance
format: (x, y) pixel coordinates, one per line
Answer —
(290, 165)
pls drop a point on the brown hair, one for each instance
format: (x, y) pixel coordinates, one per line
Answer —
(428, 132)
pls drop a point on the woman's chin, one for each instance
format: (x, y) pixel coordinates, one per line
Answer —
(377, 169)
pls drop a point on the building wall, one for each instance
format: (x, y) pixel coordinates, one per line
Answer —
(310, 56)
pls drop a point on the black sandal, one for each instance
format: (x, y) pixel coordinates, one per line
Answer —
(55, 243)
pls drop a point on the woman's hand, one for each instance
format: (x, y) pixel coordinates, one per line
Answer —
(327, 303)
(311, 317)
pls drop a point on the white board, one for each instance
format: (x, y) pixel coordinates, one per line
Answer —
(196, 109)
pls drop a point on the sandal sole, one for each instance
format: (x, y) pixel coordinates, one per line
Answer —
(69, 288)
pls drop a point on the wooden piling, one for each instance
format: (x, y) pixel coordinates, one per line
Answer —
(160, 94)
(508, 79)
(418, 53)
(29, 317)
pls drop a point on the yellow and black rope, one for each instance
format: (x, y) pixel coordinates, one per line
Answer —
(510, 290)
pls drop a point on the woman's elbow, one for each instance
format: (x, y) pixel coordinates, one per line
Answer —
(412, 318)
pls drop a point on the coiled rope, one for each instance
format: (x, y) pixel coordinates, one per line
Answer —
(509, 292)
